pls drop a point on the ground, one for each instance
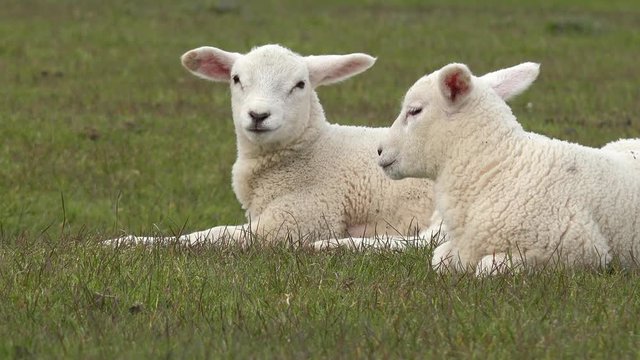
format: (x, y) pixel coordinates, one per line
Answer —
(103, 131)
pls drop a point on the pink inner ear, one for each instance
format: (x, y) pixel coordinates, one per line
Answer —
(344, 70)
(348, 68)
(456, 84)
(214, 67)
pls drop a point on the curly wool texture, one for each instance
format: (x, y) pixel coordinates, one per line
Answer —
(330, 188)
(510, 197)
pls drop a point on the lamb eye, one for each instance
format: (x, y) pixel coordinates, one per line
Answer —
(414, 111)
(300, 85)
(236, 79)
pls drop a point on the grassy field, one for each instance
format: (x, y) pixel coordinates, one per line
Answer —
(103, 131)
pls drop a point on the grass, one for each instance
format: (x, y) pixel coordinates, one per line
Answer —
(103, 130)
(77, 299)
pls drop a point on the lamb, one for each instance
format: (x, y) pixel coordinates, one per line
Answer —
(298, 177)
(437, 232)
(512, 199)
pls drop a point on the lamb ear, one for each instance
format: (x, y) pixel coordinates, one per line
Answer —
(210, 63)
(512, 81)
(329, 69)
(455, 82)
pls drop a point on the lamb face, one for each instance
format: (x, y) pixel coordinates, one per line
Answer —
(399, 153)
(270, 96)
(434, 112)
(417, 142)
(272, 88)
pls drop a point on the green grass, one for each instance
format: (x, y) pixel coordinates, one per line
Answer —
(97, 115)
(77, 299)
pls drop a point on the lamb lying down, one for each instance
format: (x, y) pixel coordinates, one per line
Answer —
(510, 198)
(298, 177)
(436, 233)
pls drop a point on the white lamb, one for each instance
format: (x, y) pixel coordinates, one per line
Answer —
(509, 197)
(298, 177)
(437, 232)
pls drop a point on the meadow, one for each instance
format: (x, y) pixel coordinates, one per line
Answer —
(104, 132)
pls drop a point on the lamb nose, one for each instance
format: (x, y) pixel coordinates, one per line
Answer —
(379, 151)
(258, 117)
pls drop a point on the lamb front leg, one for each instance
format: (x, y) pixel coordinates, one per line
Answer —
(218, 235)
(446, 258)
(494, 264)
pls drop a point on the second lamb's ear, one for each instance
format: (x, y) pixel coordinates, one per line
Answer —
(512, 81)
(210, 63)
(455, 82)
(329, 69)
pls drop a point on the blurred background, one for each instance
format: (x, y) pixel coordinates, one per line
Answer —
(103, 130)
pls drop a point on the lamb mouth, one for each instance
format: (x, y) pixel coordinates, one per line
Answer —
(387, 164)
(258, 130)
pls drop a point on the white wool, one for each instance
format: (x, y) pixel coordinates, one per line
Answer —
(510, 198)
(629, 149)
(298, 177)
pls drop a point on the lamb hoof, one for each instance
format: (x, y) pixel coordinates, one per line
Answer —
(494, 264)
